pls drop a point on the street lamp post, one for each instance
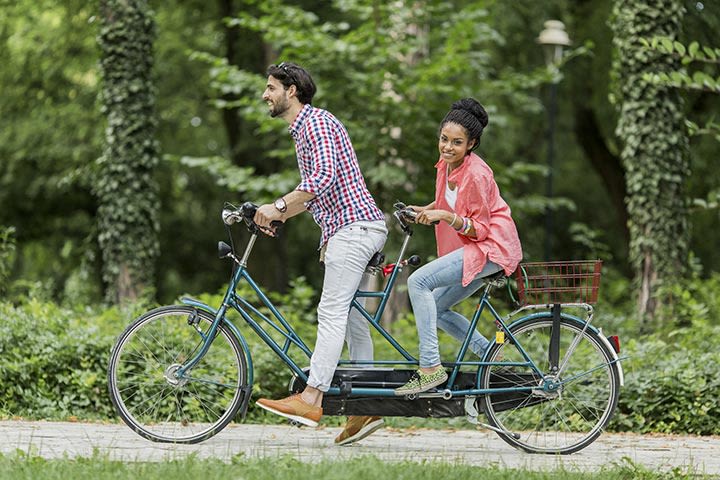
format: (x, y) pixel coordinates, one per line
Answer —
(553, 39)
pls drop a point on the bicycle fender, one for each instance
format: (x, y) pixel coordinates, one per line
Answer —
(615, 356)
(248, 358)
(198, 304)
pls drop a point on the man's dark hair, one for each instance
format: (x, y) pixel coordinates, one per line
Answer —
(292, 74)
(469, 114)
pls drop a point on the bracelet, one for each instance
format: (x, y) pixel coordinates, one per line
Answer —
(467, 225)
(452, 224)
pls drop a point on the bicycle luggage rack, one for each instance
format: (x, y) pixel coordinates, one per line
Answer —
(559, 282)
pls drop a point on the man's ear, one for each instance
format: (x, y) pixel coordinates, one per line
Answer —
(292, 91)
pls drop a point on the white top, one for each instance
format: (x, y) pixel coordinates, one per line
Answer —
(450, 195)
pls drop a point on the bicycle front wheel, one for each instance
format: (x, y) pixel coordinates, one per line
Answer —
(563, 413)
(164, 407)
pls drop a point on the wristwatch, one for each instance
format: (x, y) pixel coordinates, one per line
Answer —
(281, 205)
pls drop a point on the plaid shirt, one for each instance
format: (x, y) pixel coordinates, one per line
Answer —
(329, 170)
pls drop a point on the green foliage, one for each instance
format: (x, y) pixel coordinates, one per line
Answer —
(55, 359)
(7, 255)
(683, 78)
(671, 386)
(23, 466)
(242, 180)
(54, 362)
(693, 53)
(125, 186)
(654, 146)
(591, 241)
(389, 72)
(50, 134)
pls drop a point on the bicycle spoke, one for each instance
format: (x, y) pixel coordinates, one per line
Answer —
(162, 406)
(574, 408)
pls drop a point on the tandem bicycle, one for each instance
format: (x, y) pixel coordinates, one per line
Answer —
(549, 383)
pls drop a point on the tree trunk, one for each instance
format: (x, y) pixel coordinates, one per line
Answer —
(231, 117)
(125, 185)
(651, 127)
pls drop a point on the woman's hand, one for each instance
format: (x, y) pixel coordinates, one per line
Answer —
(418, 209)
(430, 216)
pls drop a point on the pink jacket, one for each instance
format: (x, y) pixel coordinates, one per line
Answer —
(478, 199)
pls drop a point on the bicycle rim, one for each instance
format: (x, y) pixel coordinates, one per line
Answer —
(563, 421)
(156, 404)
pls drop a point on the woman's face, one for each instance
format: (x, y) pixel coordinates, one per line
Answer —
(453, 143)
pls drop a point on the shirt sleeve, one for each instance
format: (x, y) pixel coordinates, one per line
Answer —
(323, 157)
(479, 198)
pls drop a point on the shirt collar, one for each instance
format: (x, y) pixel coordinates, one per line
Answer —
(296, 126)
(441, 165)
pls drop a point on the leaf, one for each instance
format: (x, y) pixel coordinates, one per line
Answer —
(693, 49)
(666, 44)
(710, 53)
(679, 47)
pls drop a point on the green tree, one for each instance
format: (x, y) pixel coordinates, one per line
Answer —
(389, 72)
(651, 127)
(125, 185)
(48, 140)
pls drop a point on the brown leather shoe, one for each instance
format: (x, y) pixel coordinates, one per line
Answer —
(358, 428)
(294, 408)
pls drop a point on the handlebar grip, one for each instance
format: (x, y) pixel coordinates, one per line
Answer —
(248, 210)
(276, 226)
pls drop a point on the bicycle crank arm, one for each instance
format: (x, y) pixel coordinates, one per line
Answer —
(444, 394)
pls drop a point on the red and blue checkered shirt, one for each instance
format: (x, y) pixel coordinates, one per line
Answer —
(329, 170)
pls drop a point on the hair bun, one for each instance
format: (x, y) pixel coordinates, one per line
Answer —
(474, 108)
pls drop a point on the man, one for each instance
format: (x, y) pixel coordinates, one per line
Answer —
(333, 189)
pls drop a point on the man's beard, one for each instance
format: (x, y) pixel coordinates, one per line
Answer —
(279, 108)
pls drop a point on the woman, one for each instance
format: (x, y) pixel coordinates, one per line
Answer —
(475, 236)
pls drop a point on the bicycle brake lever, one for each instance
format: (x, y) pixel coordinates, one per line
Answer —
(273, 231)
(276, 226)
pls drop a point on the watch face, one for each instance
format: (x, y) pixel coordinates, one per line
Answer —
(280, 205)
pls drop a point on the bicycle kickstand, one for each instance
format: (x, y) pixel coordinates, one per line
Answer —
(471, 414)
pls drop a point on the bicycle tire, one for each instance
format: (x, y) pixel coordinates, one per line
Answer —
(157, 405)
(560, 422)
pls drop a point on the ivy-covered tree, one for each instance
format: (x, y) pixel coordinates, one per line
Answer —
(652, 129)
(125, 186)
(683, 78)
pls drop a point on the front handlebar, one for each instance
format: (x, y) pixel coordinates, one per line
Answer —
(246, 212)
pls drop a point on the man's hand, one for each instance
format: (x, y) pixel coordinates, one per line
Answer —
(266, 214)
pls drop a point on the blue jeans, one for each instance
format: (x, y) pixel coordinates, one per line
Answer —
(434, 288)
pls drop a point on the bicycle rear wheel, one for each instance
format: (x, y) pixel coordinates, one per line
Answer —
(565, 419)
(164, 408)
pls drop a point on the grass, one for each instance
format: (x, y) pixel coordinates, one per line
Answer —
(22, 466)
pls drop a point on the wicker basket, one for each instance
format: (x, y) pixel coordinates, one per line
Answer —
(544, 283)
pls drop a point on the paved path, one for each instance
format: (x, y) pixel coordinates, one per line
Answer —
(474, 447)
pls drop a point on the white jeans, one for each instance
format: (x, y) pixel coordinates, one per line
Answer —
(348, 253)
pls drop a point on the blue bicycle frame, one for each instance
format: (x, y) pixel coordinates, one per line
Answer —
(253, 317)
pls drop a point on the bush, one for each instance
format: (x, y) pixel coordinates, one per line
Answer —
(671, 387)
(7, 255)
(54, 362)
